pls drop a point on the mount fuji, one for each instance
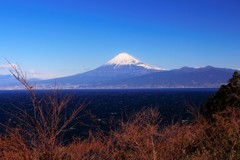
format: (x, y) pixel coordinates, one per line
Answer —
(121, 67)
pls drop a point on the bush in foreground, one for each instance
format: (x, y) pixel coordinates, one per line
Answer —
(142, 138)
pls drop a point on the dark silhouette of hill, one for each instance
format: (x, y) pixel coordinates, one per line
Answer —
(227, 96)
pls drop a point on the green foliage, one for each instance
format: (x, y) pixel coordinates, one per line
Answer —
(227, 96)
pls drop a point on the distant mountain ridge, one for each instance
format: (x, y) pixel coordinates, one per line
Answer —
(125, 71)
(186, 77)
(7, 80)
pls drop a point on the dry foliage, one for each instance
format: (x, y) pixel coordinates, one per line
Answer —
(142, 138)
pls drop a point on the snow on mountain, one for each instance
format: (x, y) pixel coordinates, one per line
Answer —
(124, 59)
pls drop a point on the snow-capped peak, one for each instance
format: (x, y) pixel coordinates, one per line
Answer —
(123, 59)
(126, 59)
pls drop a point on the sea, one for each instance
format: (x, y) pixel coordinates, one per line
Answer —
(104, 108)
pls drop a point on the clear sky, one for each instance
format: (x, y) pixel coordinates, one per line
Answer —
(50, 38)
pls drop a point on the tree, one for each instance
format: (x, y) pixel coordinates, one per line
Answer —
(227, 96)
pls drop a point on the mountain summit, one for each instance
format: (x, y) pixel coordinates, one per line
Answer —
(123, 59)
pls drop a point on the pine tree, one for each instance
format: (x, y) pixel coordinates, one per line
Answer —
(227, 96)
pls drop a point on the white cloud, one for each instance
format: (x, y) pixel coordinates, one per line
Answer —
(34, 74)
(7, 66)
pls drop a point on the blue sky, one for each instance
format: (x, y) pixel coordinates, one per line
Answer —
(50, 38)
